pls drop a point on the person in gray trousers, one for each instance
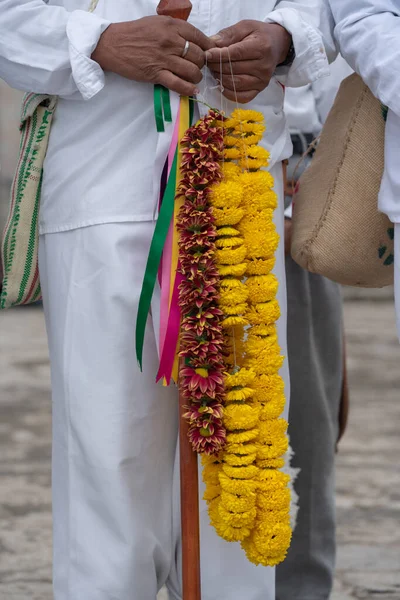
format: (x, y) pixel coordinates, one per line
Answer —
(317, 377)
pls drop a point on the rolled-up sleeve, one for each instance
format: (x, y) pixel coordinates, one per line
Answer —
(47, 50)
(311, 26)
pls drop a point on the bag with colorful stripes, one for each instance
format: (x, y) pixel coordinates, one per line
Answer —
(19, 249)
(20, 239)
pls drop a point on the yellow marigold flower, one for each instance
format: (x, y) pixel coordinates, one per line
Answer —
(258, 152)
(239, 394)
(272, 539)
(235, 297)
(256, 345)
(232, 310)
(278, 499)
(270, 430)
(231, 534)
(211, 491)
(227, 215)
(260, 266)
(268, 387)
(269, 544)
(229, 242)
(232, 270)
(251, 139)
(230, 123)
(248, 472)
(262, 288)
(267, 363)
(227, 231)
(211, 459)
(226, 194)
(270, 479)
(244, 377)
(267, 200)
(271, 463)
(266, 312)
(241, 416)
(276, 449)
(239, 487)
(247, 115)
(238, 504)
(233, 321)
(213, 511)
(250, 128)
(256, 183)
(264, 330)
(228, 256)
(243, 519)
(230, 170)
(252, 164)
(241, 449)
(240, 460)
(241, 437)
(211, 473)
(232, 154)
(272, 409)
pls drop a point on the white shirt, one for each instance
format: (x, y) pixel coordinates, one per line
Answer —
(105, 157)
(307, 107)
(368, 32)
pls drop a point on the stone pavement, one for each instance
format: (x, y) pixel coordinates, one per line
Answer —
(368, 463)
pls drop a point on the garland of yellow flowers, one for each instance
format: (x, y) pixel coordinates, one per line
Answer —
(247, 493)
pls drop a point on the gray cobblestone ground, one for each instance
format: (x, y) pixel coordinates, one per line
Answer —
(368, 464)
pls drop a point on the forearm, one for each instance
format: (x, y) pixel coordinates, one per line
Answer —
(46, 49)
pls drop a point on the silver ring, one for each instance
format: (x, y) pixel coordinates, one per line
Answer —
(186, 49)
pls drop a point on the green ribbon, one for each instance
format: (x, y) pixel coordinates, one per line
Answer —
(154, 259)
(162, 107)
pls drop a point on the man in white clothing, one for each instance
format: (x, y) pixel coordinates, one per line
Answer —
(315, 352)
(116, 515)
(368, 33)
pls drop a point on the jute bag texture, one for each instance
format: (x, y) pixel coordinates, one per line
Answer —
(338, 231)
(20, 241)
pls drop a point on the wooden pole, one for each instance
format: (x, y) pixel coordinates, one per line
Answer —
(191, 590)
(179, 9)
(191, 579)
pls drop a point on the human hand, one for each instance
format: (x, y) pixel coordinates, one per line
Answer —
(247, 54)
(150, 50)
(288, 236)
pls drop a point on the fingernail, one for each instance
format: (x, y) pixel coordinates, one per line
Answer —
(216, 38)
(197, 91)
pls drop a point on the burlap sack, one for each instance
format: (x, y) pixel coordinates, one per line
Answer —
(337, 229)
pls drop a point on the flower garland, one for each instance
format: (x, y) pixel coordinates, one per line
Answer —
(202, 377)
(247, 493)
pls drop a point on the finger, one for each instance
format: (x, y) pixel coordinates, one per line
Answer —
(246, 50)
(240, 67)
(234, 34)
(241, 97)
(175, 84)
(240, 83)
(194, 35)
(185, 69)
(195, 54)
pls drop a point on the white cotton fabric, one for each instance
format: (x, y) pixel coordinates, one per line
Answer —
(115, 480)
(104, 144)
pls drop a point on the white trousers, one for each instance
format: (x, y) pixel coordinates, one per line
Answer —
(115, 483)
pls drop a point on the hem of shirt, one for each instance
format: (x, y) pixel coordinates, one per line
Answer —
(47, 229)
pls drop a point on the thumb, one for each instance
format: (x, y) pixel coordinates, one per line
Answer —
(227, 37)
